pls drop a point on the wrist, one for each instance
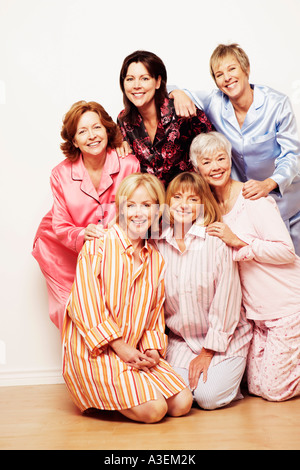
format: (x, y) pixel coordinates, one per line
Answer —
(238, 243)
(271, 184)
(208, 352)
(117, 344)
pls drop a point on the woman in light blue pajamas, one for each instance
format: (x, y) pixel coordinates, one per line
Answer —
(261, 126)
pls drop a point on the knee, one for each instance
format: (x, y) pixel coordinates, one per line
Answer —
(207, 402)
(271, 390)
(213, 399)
(154, 411)
(180, 404)
(275, 393)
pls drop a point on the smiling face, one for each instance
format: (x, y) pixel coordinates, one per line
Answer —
(185, 207)
(139, 212)
(139, 86)
(230, 78)
(215, 168)
(91, 136)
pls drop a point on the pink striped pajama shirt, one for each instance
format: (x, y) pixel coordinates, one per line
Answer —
(203, 299)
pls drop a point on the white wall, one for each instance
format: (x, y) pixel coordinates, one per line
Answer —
(56, 52)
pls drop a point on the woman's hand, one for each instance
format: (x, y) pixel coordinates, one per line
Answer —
(198, 366)
(124, 150)
(132, 356)
(222, 231)
(153, 354)
(254, 189)
(184, 106)
(93, 231)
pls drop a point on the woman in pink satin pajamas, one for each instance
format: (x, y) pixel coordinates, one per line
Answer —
(84, 187)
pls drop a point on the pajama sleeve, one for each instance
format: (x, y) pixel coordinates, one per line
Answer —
(270, 241)
(67, 232)
(225, 309)
(86, 305)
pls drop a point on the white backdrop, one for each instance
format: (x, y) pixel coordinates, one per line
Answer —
(56, 52)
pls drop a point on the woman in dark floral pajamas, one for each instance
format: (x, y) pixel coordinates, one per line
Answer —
(159, 139)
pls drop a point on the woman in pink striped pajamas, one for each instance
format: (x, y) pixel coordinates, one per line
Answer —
(269, 271)
(209, 335)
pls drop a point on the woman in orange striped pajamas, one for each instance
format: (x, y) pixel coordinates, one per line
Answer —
(113, 336)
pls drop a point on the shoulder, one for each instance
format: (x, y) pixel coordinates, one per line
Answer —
(253, 209)
(130, 161)
(203, 119)
(215, 245)
(167, 111)
(263, 203)
(118, 164)
(268, 91)
(216, 97)
(63, 166)
(262, 214)
(217, 252)
(92, 247)
(271, 100)
(130, 122)
(116, 239)
(61, 174)
(200, 119)
(121, 116)
(113, 237)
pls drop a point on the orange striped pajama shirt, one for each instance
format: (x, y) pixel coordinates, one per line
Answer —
(110, 301)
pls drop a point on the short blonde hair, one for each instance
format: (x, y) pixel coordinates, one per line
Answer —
(196, 183)
(207, 144)
(132, 182)
(223, 50)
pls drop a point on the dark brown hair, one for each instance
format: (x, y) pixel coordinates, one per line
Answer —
(70, 123)
(156, 68)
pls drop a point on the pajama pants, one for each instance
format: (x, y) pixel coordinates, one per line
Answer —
(273, 365)
(222, 385)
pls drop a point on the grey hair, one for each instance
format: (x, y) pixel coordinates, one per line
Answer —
(206, 144)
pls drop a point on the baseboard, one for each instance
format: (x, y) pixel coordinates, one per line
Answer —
(30, 377)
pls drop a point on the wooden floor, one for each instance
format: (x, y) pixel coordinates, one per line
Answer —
(43, 417)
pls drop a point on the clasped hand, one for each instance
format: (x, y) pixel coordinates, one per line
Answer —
(133, 357)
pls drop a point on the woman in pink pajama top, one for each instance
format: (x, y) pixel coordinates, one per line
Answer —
(84, 187)
(269, 271)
